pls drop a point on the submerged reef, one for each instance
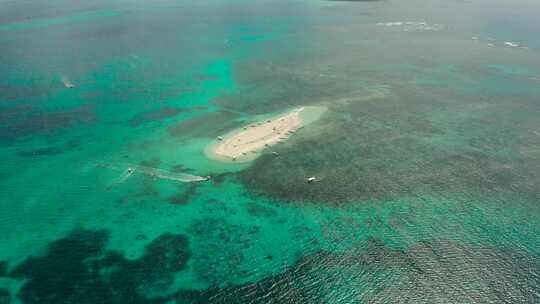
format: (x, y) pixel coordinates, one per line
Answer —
(21, 121)
(384, 151)
(78, 269)
(156, 115)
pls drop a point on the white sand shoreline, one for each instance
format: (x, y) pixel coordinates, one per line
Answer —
(246, 143)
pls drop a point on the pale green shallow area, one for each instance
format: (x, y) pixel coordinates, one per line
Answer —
(428, 155)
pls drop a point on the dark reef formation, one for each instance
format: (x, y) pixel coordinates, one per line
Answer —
(4, 296)
(156, 115)
(185, 196)
(21, 121)
(387, 151)
(78, 269)
(204, 125)
(51, 150)
(3, 268)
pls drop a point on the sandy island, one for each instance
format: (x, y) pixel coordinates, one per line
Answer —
(244, 144)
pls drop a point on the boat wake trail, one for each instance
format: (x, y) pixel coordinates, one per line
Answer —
(129, 169)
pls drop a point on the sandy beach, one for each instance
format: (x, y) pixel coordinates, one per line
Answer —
(244, 144)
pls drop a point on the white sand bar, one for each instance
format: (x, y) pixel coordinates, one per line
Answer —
(244, 144)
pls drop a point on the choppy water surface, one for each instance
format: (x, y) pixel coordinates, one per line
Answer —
(428, 156)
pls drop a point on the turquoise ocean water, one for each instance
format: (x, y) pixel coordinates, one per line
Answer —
(428, 155)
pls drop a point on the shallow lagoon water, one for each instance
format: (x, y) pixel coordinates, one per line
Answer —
(428, 155)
